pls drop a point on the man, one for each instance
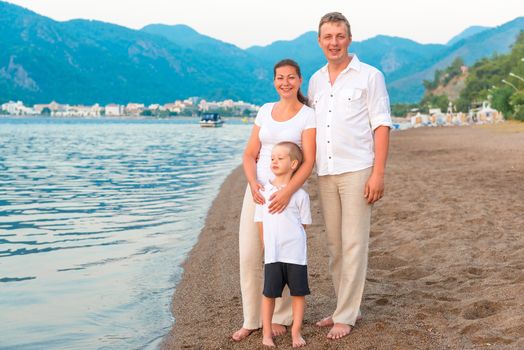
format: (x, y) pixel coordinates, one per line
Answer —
(353, 122)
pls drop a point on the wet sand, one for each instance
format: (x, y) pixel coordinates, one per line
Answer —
(446, 262)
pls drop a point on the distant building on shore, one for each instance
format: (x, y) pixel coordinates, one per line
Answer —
(17, 108)
(189, 106)
(233, 107)
(134, 109)
(80, 111)
(114, 110)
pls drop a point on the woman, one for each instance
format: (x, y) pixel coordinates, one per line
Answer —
(289, 119)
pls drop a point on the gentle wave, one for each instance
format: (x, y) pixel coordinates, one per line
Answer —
(96, 217)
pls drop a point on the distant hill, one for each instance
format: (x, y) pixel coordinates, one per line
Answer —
(466, 33)
(496, 79)
(83, 61)
(497, 40)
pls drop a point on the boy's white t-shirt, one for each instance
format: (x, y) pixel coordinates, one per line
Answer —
(284, 235)
(272, 132)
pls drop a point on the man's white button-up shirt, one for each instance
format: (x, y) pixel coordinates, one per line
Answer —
(347, 113)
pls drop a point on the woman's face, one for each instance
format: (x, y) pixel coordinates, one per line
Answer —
(287, 82)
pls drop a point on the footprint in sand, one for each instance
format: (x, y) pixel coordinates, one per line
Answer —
(386, 262)
(409, 273)
(475, 271)
(382, 301)
(481, 309)
(404, 215)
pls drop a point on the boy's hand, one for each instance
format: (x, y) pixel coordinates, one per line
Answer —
(255, 192)
(374, 189)
(279, 201)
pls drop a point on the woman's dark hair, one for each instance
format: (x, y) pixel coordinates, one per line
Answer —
(289, 62)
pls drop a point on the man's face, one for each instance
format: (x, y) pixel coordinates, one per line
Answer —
(334, 41)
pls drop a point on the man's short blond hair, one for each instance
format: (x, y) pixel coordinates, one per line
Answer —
(334, 17)
(295, 153)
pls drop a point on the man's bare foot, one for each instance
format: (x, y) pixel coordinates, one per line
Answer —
(278, 329)
(325, 322)
(328, 321)
(339, 330)
(298, 341)
(268, 341)
(242, 334)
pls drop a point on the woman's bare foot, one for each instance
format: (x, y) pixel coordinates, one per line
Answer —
(242, 334)
(339, 330)
(298, 341)
(268, 341)
(278, 329)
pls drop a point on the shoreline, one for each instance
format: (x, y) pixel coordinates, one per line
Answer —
(446, 253)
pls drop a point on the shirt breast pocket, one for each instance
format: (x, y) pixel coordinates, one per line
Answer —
(354, 101)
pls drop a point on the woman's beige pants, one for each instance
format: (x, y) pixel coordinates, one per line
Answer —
(251, 272)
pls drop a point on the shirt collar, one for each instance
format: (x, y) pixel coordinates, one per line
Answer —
(270, 186)
(353, 64)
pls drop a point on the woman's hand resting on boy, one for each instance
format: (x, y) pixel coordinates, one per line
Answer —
(279, 201)
(256, 187)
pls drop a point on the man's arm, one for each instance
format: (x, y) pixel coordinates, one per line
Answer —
(374, 189)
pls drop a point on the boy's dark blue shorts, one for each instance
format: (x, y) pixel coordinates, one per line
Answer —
(278, 274)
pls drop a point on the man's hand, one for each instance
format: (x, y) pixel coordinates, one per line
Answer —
(279, 201)
(374, 189)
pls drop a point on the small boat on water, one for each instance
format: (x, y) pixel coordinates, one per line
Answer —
(211, 120)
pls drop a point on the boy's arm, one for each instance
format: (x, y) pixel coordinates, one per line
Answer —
(259, 215)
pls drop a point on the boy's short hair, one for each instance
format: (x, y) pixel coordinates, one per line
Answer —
(334, 17)
(295, 153)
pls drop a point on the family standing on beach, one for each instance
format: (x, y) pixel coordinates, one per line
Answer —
(344, 125)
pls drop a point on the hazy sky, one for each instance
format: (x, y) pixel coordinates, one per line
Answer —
(246, 23)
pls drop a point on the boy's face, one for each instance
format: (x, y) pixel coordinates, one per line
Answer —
(281, 161)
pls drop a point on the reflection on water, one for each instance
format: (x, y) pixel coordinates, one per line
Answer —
(95, 218)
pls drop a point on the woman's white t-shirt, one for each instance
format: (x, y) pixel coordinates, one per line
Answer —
(272, 132)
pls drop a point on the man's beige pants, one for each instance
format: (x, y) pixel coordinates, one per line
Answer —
(251, 272)
(347, 215)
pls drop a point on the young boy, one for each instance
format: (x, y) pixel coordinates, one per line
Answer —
(284, 240)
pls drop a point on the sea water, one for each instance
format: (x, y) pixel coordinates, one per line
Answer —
(96, 217)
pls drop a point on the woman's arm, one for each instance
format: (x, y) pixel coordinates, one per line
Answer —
(250, 164)
(280, 199)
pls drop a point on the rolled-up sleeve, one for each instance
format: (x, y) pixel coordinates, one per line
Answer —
(305, 210)
(378, 101)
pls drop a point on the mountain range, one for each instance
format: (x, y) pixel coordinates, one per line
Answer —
(85, 62)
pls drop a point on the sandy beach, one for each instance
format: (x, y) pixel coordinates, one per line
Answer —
(446, 262)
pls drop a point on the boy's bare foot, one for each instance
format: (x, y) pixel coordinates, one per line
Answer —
(328, 321)
(268, 341)
(278, 329)
(339, 330)
(298, 341)
(242, 334)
